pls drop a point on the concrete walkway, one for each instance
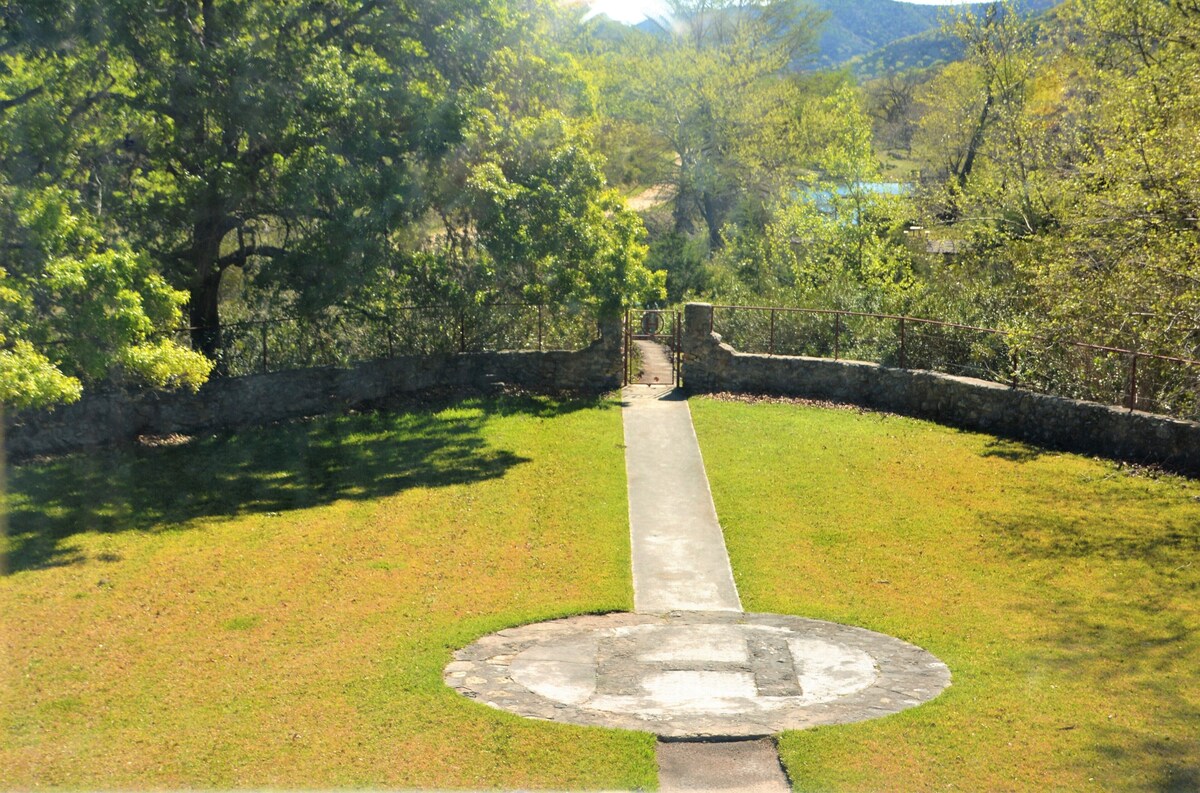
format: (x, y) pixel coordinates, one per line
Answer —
(679, 557)
(748, 766)
(680, 564)
(656, 367)
(689, 665)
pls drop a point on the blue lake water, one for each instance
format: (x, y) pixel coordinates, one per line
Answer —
(888, 188)
(822, 197)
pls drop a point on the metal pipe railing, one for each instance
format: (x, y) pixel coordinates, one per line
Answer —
(464, 328)
(903, 349)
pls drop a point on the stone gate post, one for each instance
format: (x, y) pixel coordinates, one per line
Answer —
(701, 350)
(697, 327)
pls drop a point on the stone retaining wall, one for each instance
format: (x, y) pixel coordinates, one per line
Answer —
(104, 419)
(1055, 422)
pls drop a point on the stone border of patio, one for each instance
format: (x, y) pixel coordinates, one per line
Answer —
(907, 676)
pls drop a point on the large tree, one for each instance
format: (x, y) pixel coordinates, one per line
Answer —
(231, 133)
(720, 98)
(338, 153)
(78, 306)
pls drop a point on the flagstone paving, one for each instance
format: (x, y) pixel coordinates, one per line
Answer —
(696, 674)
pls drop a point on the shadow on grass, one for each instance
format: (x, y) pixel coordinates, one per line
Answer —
(1097, 535)
(1122, 618)
(1146, 651)
(261, 470)
(1013, 451)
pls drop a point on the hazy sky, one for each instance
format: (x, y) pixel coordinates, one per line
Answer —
(637, 10)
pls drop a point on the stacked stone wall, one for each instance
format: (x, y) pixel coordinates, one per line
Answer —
(1055, 422)
(112, 418)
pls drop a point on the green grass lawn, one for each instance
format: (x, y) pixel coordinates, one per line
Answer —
(274, 608)
(1063, 593)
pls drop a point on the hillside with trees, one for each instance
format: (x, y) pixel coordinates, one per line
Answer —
(233, 159)
(855, 28)
(931, 46)
(873, 35)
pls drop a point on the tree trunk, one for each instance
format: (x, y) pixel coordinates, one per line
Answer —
(976, 141)
(681, 212)
(205, 317)
(203, 307)
(708, 208)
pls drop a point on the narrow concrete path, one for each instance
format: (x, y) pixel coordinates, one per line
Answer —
(749, 766)
(656, 367)
(679, 557)
(680, 564)
(690, 666)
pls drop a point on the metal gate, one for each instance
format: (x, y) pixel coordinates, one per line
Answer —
(656, 334)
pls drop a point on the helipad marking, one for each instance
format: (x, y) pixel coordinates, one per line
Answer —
(697, 673)
(690, 663)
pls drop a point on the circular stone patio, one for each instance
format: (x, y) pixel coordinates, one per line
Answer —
(696, 674)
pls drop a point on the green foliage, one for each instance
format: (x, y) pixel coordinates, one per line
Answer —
(110, 298)
(28, 378)
(164, 364)
(1063, 161)
(546, 224)
(684, 262)
(852, 246)
(250, 134)
(950, 107)
(523, 205)
(718, 101)
(891, 104)
(78, 313)
(275, 157)
(338, 160)
(833, 241)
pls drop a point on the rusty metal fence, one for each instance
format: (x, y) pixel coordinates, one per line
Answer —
(661, 326)
(340, 339)
(1134, 379)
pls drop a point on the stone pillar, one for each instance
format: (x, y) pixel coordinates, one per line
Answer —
(610, 331)
(701, 348)
(697, 327)
(609, 351)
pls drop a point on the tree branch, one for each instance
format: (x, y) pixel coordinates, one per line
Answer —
(238, 258)
(374, 316)
(91, 101)
(336, 29)
(8, 104)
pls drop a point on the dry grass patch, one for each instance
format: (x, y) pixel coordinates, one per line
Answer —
(273, 609)
(1063, 593)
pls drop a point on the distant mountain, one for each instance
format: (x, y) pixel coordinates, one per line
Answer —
(924, 49)
(877, 35)
(655, 27)
(891, 32)
(856, 27)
